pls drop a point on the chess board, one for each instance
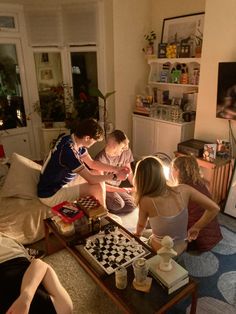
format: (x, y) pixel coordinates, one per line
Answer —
(91, 206)
(113, 250)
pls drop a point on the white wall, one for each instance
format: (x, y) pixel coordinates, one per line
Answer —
(219, 45)
(132, 19)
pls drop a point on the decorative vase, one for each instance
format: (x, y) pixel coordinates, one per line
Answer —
(149, 50)
(198, 51)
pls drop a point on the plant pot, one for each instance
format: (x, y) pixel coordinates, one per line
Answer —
(149, 50)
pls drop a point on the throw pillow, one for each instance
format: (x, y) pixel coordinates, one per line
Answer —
(22, 178)
(3, 173)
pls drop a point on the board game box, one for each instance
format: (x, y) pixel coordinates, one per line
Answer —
(91, 206)
(113, 250)
(68, 211)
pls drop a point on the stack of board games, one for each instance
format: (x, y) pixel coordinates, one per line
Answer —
(91, 206)
(171, 280)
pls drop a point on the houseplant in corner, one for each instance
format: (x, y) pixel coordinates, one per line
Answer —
(95, 92)
(150, 38)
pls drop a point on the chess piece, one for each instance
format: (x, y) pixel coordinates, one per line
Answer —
(166, 253)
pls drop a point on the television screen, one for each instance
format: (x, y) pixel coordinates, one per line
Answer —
(226, 92)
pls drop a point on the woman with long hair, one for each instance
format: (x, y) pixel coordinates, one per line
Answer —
(185, 170)
(166, 206)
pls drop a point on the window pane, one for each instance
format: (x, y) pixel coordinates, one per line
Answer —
(84, 76)
(7, 22)
(50, 86)
(12, 112)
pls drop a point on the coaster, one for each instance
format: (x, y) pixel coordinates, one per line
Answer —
(145, 287)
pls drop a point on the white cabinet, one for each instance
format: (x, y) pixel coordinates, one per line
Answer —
(143, 136)
(151, 135)
(16, 140)
(47, 136)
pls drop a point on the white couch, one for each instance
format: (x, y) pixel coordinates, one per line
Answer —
(21, 212)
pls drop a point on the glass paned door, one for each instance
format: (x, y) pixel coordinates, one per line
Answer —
(84, 76)
(12, 112)
(51, 104)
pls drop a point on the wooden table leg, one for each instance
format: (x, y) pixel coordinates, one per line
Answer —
(193, 308)
(46, 232)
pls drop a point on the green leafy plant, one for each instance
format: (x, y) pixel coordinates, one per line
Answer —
(95, 92)
(150, 37)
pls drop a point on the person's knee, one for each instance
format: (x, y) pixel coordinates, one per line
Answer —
(115, 204)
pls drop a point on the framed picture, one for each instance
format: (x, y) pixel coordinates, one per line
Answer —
(183, 29)
(46, 74)
(230, 204)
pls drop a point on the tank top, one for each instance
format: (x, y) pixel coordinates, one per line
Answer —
(173, 226)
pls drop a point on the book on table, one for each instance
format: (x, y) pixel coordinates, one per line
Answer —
(170, 280)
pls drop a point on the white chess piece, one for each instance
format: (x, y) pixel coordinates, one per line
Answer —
(166, 253)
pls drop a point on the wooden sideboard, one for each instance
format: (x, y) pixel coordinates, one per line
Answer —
(217, 176)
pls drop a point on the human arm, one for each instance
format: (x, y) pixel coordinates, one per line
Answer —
(130, 175)
(92, 178)
(111, 188)
(142, 216)
(100, 166)
(30, 282)
(211, 210)
(37, 273)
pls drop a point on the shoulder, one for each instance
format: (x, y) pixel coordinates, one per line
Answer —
(145, 201)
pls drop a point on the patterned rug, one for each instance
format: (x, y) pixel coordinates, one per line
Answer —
(215, 271)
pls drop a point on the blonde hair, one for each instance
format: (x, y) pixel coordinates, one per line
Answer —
(188, 170)
(149, 178)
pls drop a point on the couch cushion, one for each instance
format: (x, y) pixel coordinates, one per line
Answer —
(3, 174)
(22, 178)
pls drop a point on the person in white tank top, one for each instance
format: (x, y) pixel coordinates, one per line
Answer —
(166, 206)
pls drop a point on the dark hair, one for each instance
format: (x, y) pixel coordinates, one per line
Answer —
(119, 136)
(89, 127)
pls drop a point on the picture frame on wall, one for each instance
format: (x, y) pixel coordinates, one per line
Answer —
(230, 204)
(183, 29)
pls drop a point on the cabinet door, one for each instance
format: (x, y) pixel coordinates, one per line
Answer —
(169, 136)
(143, 136)
(16, 141)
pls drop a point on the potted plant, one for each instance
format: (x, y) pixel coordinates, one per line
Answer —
(198, 43)
(150, 38)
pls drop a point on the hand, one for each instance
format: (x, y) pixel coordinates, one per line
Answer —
(128, 190)
(126, 169)
(193, 233)
(122, 174)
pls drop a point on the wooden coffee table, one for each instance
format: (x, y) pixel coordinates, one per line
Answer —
(128, 300)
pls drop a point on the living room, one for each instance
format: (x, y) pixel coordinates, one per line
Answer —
(124, 68)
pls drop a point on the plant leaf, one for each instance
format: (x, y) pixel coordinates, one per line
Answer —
(109, 94)
(95, 92)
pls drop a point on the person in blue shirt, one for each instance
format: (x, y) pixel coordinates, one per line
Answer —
(69, 161)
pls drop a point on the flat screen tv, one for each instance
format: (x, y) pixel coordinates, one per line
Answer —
(226, 91)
